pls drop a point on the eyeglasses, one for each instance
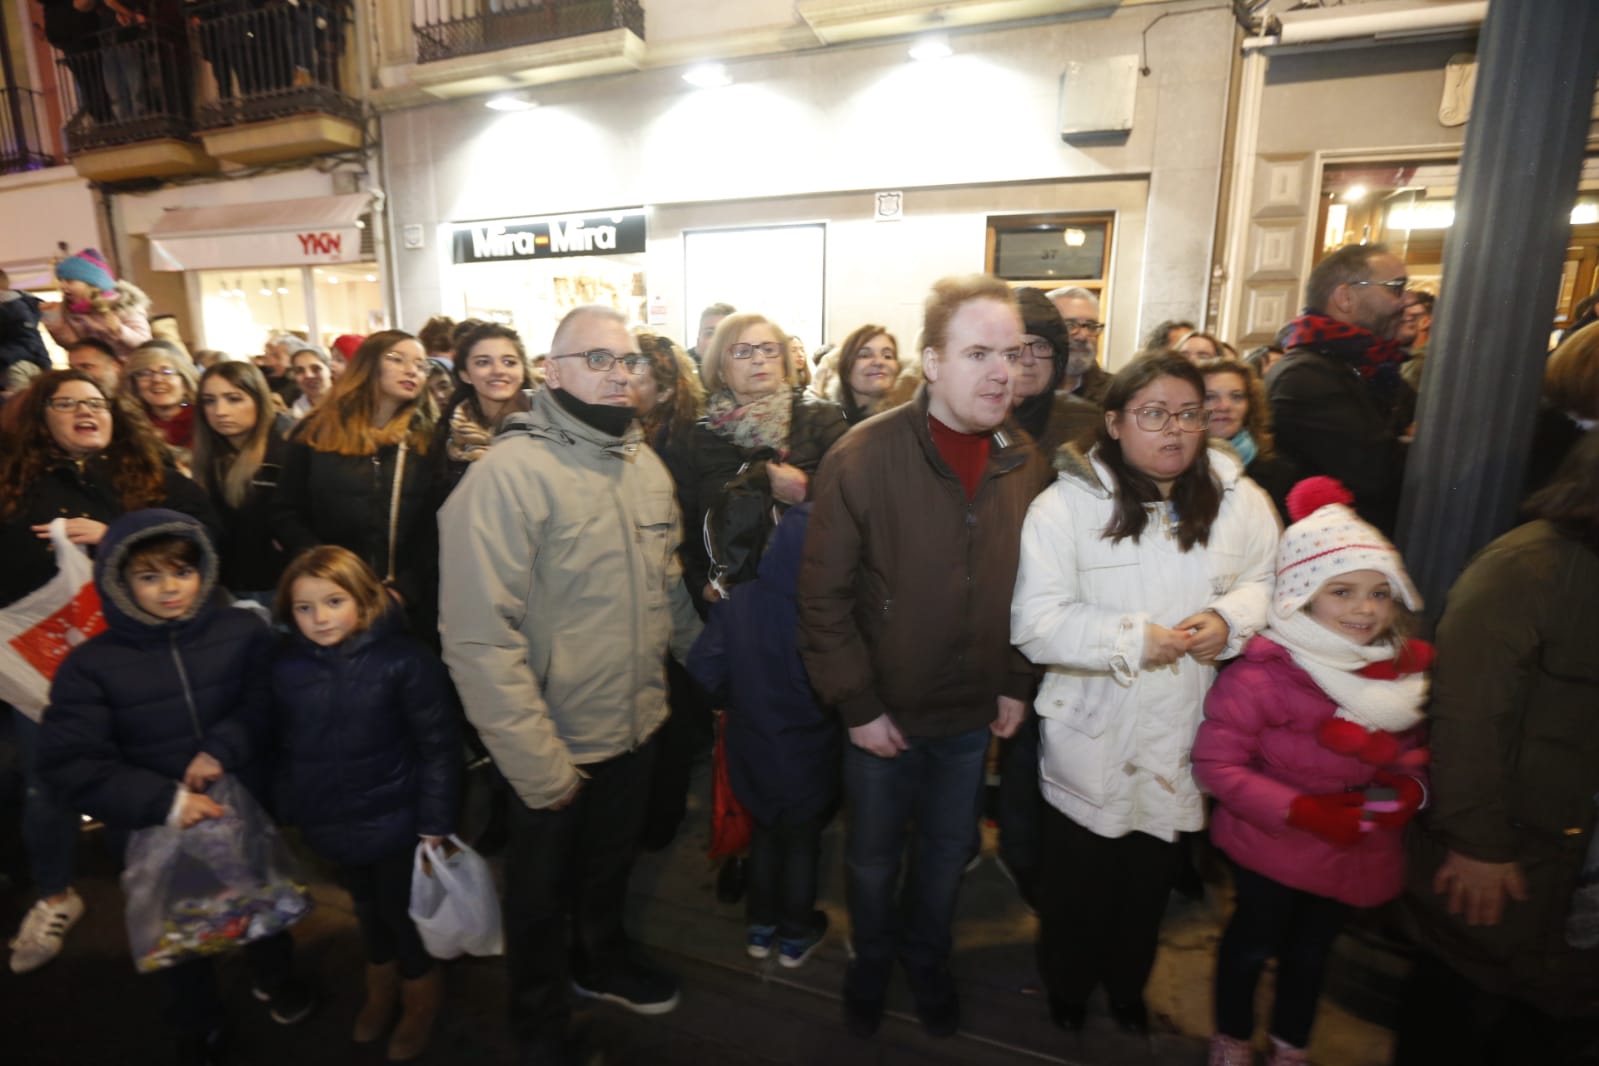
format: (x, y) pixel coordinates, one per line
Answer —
(420, 365)
(66, 403)
(1156, 419)
(146, 375)
(1039, 349)
(1395, 286)
(769, 349)
(1083, 325)
(601, 360)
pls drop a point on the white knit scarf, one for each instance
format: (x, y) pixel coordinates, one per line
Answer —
(1332, 661)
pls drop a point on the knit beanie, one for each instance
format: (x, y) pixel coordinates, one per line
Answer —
(89, 267)
(1328, 539)
(1041, 319)
(347, 343)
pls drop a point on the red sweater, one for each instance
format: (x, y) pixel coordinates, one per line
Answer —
(966, 453)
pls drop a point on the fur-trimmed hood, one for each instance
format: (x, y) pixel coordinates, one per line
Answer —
(1090, 472)
(122, 612)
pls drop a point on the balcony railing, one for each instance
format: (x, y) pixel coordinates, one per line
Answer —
(21, 147)
(230, 62)
(272, 62)
(450, 28)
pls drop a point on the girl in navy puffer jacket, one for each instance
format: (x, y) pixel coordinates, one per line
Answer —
(371, 762)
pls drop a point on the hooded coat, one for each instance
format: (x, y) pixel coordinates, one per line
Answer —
(19, 331)
(120, 318)
(370, 749)
(783, 747)
(130, 708)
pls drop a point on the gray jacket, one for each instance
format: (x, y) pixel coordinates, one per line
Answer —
(559, 592)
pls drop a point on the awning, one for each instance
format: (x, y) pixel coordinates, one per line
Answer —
(278, 233)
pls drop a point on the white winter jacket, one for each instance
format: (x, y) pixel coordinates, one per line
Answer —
(1117, 738)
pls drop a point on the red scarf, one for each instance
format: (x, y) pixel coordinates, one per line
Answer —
(1374, 359)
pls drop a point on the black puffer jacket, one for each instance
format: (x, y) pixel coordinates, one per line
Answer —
(20, 340)
(69, 489)
(369, 746)
(132, 707)
(252, 559)
(727, 499)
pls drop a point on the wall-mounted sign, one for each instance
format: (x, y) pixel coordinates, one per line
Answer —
(888, 207)
(548, 238)
(412, 235)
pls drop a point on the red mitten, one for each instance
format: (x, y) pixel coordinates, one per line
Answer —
(1414, 759)
(1372, 746)
(1410, 797)
(1333, 816)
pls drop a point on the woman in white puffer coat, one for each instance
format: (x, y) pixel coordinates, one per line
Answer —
(1146, 561)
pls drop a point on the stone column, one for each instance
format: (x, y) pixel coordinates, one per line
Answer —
(1537, 61)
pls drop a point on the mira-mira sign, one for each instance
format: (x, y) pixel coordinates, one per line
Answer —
(548, 238)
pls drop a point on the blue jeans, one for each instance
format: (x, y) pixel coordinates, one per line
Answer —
(49, 827)
(933, 786)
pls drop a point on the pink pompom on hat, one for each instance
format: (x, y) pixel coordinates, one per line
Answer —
(1327, 539)
(89, 267)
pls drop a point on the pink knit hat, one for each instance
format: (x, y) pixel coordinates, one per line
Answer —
(1328, 539)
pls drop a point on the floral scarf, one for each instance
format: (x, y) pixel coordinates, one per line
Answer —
(761, 423)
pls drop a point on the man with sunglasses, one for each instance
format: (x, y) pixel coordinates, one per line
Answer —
(1339, 404)
(560, 590)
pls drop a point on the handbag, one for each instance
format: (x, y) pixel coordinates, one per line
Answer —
(37, 631)
(731, 824)
(453, 902)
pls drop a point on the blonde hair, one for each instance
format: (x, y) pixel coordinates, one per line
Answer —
(342, 567)
(727, 333)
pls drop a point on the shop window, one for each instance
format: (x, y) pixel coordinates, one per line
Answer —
(1049, 251)
(776, 270)
(242, 308)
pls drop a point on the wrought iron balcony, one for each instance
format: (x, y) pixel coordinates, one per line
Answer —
(126, 85)
(272, 62)
(451, 28)
(21, 147)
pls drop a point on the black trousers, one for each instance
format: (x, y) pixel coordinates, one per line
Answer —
(1021, 808)
(193, 1006)
(1298, 929)
(566, 877)
(688, 731)
(1445, 1018)
(781, 877)
(381, 892)
(1101, 903)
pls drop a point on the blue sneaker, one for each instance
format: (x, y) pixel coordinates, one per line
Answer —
(793, 951)
(759, 940)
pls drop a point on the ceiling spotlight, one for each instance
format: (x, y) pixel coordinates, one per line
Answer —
(1354, 194)
(511, 102)
(707, 76)
(935, 46)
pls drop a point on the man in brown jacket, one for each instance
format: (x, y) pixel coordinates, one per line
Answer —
(904, 624)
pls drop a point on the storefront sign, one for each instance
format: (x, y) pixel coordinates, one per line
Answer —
(281, 233)
(548, 238)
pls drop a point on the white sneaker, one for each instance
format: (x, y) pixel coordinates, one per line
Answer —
(43, 932)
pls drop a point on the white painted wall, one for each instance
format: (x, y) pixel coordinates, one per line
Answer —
(42, 208)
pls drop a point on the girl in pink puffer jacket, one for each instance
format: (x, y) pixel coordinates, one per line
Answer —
(1311, 747)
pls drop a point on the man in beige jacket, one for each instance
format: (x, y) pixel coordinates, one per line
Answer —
(560, 591)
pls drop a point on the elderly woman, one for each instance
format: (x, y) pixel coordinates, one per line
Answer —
(1148, 560)
(493, 381)
(312, 372)
(760, 441)
(239, 447)
(165, 385)
(356, 474)
(868, 363)
(67, 452)
(1240, 415)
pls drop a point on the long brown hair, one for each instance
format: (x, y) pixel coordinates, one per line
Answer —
(672, 369)
(1194, 493)
(219, 467)
(1258, 419)
(343, 421)
(848, 353)
(465, 392)
(27, 449)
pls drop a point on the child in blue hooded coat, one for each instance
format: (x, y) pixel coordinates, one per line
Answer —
(148, 714)
(783, 747)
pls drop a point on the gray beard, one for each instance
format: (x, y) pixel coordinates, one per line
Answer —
(1078, 359)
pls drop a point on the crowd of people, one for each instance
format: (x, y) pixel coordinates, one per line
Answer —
(1165, 594)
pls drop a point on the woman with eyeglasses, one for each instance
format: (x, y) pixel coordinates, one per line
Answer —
(240, 442)
(1149, 559)
(68, 452)
(1235, 396)
(755, 450)
(165, 384)
(1049, 416)
(494, 381)
(357, 474)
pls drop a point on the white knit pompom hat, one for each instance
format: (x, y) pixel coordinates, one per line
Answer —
(1327, 539)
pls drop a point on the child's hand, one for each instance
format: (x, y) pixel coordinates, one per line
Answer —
(1163, 646)
(203, 770)
(196, 808)
(1207, 632)
(1333, 816)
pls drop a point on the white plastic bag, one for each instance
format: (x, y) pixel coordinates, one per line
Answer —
(37, 631)
(454, 904)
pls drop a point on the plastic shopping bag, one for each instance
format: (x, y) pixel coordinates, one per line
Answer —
(210, 888)
(1582, 920)
(731, 825)
(453, 902)
(37, 631)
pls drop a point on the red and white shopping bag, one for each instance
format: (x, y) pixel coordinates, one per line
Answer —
(38, 631)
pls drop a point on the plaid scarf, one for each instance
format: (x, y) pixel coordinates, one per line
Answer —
(1376, 360)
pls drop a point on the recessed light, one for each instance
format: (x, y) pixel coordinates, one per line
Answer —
(935, 46)
(707, 76)
(1354, 194)
(511, 102)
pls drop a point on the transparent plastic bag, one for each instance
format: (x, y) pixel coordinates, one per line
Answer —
(211, 888)
(454, 903)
